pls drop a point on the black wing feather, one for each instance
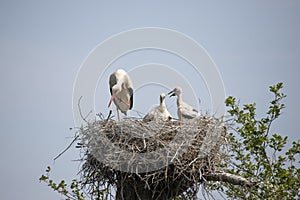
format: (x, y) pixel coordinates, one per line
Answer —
(112, 82)
(131, 97)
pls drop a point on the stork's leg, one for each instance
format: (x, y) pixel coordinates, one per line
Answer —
(118, 114)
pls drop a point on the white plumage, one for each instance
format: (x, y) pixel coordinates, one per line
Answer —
(184, 110)
(121, 90)
(159, 113)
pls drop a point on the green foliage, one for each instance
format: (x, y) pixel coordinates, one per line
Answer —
(72, 192)
(257, 153)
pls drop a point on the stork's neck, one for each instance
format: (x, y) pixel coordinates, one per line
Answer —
(162, 105)
(120, 84)
(179, 99)
(117, 88)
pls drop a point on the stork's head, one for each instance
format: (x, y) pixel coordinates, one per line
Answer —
(176, 91)
(162, 97)
(114, 91)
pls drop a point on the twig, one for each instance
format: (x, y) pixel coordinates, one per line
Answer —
(109, 114)
(80, 112)
(177, 151)
(67, 147)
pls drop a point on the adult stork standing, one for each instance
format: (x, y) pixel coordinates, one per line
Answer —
(158, 113)
(184, 110)
(121, 90)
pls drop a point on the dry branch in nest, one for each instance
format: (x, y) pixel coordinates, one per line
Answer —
(153, 160)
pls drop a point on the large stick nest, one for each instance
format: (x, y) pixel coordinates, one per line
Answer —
(165, 159)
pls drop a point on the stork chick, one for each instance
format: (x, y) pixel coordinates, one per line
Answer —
(184, 110)
(159, 113)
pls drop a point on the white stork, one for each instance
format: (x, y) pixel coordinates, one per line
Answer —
(184, 111)
(121, 90)
(159, 113)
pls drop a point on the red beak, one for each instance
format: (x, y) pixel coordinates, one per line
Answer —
(111, 99)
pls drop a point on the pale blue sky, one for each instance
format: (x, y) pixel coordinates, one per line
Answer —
(43, 43)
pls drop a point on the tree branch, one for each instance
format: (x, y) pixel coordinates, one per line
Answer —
(230, 178)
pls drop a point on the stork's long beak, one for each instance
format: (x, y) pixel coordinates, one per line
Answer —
(171, 93)
(111, 99)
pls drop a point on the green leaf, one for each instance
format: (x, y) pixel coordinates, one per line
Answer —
(48, 169)
(43, 178)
